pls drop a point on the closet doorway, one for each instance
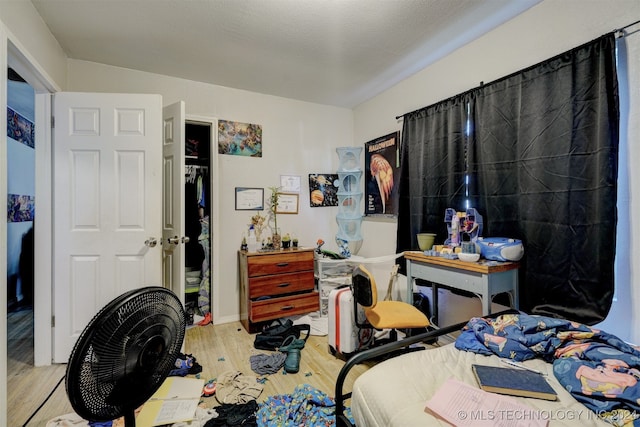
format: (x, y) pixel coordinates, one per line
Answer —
(199, 140)
(190, 212)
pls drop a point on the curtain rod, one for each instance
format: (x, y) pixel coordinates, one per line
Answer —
(627, 26)
(618, 31)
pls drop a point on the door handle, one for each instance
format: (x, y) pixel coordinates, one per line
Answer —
(151, 242)
(175, 240)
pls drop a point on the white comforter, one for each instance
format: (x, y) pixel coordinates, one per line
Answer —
(394, 392)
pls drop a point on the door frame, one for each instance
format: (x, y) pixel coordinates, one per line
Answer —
(42, 303)
(214, 217)
(44, 87)
(11, 55)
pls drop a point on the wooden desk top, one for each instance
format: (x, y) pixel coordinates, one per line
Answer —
(481, 266)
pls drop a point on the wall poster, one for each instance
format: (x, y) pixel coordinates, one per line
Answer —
(239, 139)
(381, 173)
(20, 208)
(20, 128)
(323, 189)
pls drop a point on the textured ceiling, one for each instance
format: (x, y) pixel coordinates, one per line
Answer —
(334, 52)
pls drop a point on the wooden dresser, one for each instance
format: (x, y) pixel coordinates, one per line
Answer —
(274, 285)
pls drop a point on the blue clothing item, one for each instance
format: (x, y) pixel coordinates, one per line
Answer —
(306, 406)
(204, 296)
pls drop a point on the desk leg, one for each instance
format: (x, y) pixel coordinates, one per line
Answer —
(516, 297)
(486, 296)
(494, 284)
(409, 283)
(486, 305)
(434, 302)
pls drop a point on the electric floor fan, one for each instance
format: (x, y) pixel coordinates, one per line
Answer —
(124, 354)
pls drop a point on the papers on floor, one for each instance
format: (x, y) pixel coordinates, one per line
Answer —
(463, 405)
(176, 400)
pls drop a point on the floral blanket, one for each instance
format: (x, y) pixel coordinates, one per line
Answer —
(597, 368)
(306, 406)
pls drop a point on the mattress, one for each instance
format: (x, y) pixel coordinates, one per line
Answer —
(394, 392)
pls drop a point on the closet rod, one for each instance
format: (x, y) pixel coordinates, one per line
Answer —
(190, 167)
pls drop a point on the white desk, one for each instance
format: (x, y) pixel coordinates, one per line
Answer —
(481, 278)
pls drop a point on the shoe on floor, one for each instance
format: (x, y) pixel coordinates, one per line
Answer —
(291, 343)
(292, 362)
(206, 320)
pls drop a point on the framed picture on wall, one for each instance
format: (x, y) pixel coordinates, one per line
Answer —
(290, 183)
(249, 199)
(288, 203)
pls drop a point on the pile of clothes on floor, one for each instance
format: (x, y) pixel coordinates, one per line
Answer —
(237, 393)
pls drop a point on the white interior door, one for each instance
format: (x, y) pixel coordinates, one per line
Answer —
(173, 232)
(107, 198)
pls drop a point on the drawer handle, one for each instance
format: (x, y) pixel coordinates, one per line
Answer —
(283, 285)
(282, 264)
(288, 307)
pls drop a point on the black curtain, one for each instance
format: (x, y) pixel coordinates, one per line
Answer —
(545, 156)
(540, 149)
(432, 169)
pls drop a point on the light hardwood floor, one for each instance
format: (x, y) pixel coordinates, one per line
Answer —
(218, 348)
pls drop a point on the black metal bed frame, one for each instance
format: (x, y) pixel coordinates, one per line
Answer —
(341, 419)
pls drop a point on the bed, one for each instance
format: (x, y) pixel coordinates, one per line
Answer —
(394, 392)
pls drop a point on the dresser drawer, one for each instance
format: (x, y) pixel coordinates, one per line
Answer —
(275, 308)
(280, 284)
(276, 284)
(279, 263)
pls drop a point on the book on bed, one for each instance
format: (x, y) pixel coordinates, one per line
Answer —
(514, 382)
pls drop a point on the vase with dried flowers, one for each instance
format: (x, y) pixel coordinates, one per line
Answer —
(259, 222)
(274, 199)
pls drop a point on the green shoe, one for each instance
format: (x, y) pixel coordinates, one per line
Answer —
(291, 343)
(292, 362)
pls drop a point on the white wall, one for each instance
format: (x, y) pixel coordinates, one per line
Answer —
(547, 29)
(23, 32)
(298, 139)
(25, 29)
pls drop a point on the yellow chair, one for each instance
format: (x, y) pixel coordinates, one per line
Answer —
(383, 314)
